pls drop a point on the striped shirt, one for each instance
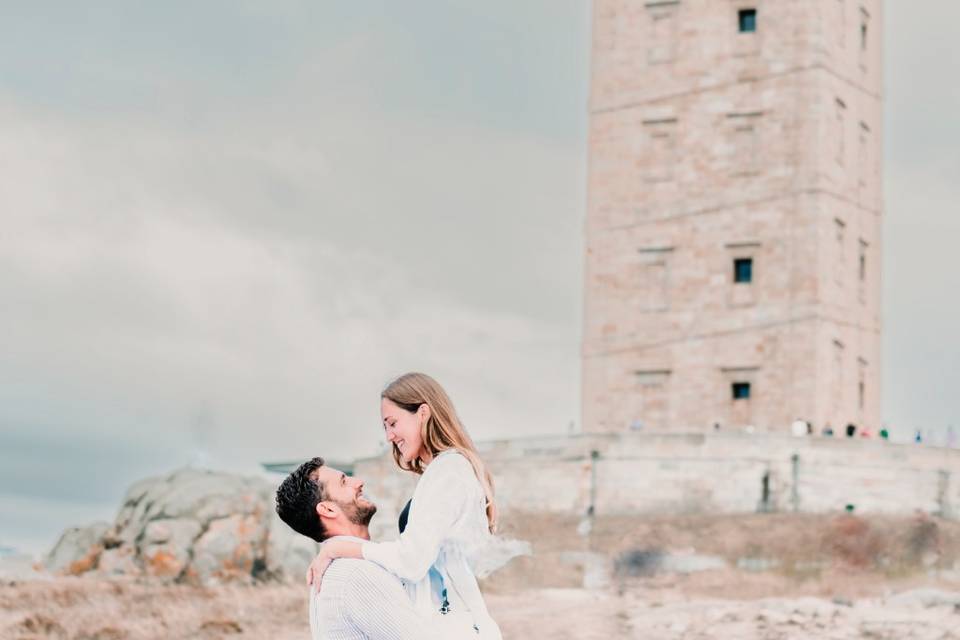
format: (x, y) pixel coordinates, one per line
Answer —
(359, 600)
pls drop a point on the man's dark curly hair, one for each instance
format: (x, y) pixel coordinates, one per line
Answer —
(297, 500)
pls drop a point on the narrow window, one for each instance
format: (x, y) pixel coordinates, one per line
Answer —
(862, 384)
(864, 33)
(654, 281)
(747, 20)
(841, 130)
(841, 229)
(656, 378)
(651, 400)
(660, 153)
(862, 270)
(741, 390)
(663, 32)
(838, 358)
(864, 28)
(863, 261)
(765, 505)
(745, 147)
(743, 270)
(745, 142)
(864, 152)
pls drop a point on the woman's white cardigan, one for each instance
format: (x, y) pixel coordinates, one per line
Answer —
(447, 530)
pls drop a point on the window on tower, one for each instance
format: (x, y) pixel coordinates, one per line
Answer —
(660, 151)
(836, 390)
(654, 278)
(864, 28)
(862, 384)
(747, 20)
(745, 147)
(840, 228)
(864, 164)
(864, 35)
(840, 132)
(740, 390)
(741, 255)
(862, 269)
(663, 31)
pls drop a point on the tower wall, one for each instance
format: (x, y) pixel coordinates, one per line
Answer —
(710, 147)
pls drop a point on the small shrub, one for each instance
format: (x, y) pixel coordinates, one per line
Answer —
(638, 563)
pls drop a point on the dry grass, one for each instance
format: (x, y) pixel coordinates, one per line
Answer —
(76, 608)
(534, 597)
(801, 547)
(730, 607)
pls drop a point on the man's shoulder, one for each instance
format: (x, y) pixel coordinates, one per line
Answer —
(348, 579)
(347, 564)
(350, 570)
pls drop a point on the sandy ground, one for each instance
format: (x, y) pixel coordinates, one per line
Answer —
(722, 606)
(671, 614)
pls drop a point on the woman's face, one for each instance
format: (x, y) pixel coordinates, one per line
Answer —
(402, 429)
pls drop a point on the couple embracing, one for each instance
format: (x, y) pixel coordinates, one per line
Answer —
(421, 586)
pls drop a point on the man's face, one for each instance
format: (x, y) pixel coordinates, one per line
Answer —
(346, 494)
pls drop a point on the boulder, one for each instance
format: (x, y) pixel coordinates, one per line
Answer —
(165, 546)
(190, 526)
(78, 549)
(288, 553)
(180, 532)
(204, 527)
(119, 561)
(124, 531)
(230, 549)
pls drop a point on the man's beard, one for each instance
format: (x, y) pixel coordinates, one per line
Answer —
(357, 513)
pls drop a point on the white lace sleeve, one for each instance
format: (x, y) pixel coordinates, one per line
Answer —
(440, 499)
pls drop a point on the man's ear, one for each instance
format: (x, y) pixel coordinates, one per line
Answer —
(328, 509)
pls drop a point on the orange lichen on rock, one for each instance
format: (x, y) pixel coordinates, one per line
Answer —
(86, 563)
(164, 564)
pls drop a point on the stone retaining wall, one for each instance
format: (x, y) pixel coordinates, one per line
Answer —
(636, 474)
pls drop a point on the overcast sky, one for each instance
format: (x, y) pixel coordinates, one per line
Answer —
(227, 224)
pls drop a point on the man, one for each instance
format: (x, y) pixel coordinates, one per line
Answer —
(358, 600)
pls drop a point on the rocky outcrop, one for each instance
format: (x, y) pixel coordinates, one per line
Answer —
(191, 526)
(78, 549)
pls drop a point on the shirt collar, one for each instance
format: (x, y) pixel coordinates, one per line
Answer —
(354, 538)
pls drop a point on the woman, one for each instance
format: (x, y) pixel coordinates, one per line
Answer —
(451, 517)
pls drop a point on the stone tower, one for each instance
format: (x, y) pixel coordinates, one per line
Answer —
(734, 215)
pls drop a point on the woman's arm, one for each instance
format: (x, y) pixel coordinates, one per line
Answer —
(330, 551)
(441, 497)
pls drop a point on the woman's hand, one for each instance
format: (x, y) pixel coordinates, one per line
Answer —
(330, 551)
(319, 565)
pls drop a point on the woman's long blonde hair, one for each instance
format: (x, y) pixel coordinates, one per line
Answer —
(442, 431)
